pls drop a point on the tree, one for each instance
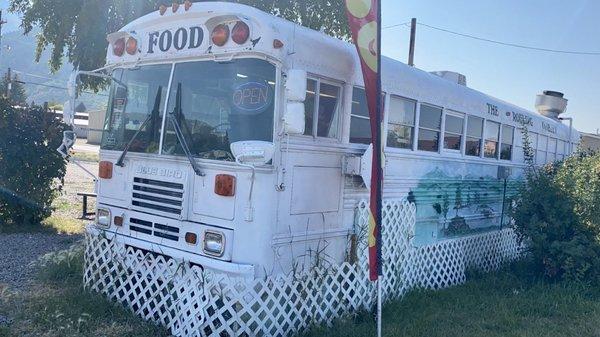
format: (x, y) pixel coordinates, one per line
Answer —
(18, 94)
(31, 170)
(77, 29)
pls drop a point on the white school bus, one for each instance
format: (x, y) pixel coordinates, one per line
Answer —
(235, 140)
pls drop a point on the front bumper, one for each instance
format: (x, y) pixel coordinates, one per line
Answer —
(232, 269)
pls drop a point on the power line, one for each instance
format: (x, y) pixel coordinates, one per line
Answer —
(509, 44)
(397, 25)
(33, 75)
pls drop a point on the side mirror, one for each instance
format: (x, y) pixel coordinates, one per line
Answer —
(253, 153)
(294, 120)
(69, 138)
(295, 85)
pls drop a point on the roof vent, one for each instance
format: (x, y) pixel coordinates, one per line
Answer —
(451, 76)
(551, 104)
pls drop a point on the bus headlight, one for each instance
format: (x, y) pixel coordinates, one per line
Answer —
(103, 218)
(214, 243)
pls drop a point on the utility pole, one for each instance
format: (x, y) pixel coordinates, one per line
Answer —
(8, 83)
(2, 23)
(411, 50)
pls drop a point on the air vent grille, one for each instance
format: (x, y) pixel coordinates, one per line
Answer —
(155, 229)
(155, 195)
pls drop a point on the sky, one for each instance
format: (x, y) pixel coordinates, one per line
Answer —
(12, 20)
(511, 74)
(514, 75)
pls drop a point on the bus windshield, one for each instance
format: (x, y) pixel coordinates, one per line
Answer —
(218, 103)
(137, 97)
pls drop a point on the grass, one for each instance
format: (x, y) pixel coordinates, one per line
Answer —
(62, 221)
(64, 225)
(507, 303)
(55, 224)
(86, 156)
(57, 305)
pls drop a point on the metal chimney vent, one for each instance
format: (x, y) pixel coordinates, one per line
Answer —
(551, 104)
(451, 76)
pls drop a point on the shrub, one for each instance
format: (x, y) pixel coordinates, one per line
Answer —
(31, 171)
(557, 217)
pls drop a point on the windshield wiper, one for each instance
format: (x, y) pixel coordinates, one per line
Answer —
(152, 116)
(179, 133)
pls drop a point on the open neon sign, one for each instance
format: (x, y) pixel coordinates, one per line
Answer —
(252, 97)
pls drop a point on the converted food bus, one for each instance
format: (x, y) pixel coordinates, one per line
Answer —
(233, 139)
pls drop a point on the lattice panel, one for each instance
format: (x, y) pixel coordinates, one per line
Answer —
(191, 302)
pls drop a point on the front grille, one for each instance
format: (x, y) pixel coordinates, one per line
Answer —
(155, 229)
(156, 195)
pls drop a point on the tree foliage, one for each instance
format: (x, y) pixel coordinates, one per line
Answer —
(557, 217)
(30, 166)
(18, 94)
(77, 29)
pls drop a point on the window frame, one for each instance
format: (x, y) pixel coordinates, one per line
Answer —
(388, 123)
(481, 138)
(340, 107)
(462, 135)
(486, 136)
(419, 127)
(354, 87)
(544, 151)
(512, 144)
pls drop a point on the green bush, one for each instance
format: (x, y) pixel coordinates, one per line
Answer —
(31, 171)
(557, 216)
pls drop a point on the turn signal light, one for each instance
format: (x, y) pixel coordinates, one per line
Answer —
(240, 33)
(225, 185)
(132, 46)
(277, 44)
(105, 170)
(191, 238)
(220, 35)
(119, 47)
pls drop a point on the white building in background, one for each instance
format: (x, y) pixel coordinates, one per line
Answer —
(590, 141)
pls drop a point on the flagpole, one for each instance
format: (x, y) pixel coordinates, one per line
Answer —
(364, 18)
(379, 307)
(381, 171)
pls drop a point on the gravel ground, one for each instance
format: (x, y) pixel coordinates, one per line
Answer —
(17, 251)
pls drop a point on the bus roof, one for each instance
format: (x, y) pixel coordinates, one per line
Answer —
(322, 55)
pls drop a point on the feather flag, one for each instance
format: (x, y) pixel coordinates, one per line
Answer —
(364, 17)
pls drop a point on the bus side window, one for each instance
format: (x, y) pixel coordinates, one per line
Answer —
(541, 150)
(309, 104)
(474, 136)
(322, 109)
(492, 135)
(561, 151)
(533, 142)
(328, 114)
(506, 146)
(552, 150)
(430, 127)
(401, 123)
(360, 126)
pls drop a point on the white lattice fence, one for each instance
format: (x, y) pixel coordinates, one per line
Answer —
(191, 302)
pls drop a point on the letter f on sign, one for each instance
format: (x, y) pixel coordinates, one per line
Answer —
(153, 41)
